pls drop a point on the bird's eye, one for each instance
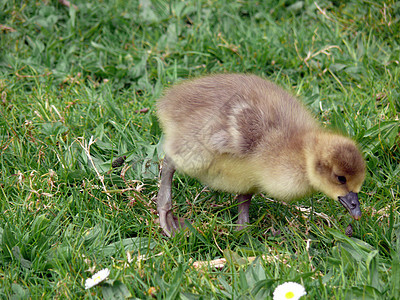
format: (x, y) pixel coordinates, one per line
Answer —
(342, 179)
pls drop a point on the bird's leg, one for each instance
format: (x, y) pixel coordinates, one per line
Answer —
(244, 204)
(168, 222)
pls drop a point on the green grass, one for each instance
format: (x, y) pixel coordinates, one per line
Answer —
(70, 83)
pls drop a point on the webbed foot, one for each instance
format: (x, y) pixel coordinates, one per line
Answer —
(170, 223)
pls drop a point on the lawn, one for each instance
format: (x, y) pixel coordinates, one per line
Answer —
(77, 92)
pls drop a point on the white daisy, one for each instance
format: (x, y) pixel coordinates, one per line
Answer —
(97, 278)
(289, 290)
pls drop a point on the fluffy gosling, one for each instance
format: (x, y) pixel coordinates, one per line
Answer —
(242, 134)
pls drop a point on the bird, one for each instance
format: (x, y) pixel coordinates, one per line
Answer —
(242, 134)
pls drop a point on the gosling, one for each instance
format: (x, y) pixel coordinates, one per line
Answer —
(242, 134)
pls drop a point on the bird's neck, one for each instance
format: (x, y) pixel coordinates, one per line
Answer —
(315, 149)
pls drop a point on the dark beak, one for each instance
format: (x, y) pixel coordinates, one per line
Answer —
(351, 203)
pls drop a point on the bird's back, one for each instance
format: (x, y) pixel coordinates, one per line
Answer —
(230, 113)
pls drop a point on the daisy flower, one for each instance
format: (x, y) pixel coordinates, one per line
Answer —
(97, 278)
(289, 290)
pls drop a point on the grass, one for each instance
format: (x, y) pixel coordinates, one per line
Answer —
(72, 84)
